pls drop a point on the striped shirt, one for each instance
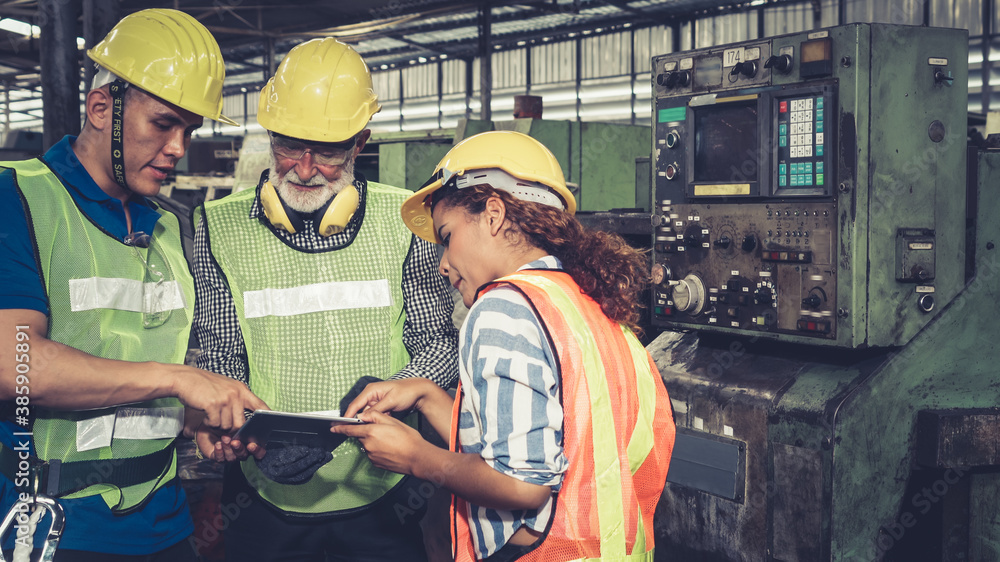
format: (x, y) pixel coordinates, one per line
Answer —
(510, 412)
(428, 331)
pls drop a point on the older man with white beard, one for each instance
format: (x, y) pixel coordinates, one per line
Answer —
(306, 289)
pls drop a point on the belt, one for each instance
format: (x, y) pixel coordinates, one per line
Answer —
(56, 478)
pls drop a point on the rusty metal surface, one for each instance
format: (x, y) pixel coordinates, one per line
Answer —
(719, 387)
(797, 503)
(958, 438)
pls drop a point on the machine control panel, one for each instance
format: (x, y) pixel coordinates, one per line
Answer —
(766, 267)
(804, 189)
(745, 222)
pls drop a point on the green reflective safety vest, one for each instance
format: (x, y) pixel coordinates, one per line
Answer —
(313, 324)
(114, 301)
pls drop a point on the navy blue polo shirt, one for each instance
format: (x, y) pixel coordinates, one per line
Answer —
(90, 526)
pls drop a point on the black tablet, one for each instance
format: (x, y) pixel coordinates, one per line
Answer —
(312, 429)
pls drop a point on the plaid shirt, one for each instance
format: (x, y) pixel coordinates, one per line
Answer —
(429, 334)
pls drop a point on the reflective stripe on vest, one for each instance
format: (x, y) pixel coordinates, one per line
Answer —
(130, 295)
(105, 302)
(305, 348)
(317, 297)
(615, 472)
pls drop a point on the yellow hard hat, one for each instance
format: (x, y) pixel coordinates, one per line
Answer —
(322, 91)
(170, 55)
(527, 169)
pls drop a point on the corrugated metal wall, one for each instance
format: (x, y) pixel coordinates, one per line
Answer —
(607, 77)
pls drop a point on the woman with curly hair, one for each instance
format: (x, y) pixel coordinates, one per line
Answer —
(561, 431)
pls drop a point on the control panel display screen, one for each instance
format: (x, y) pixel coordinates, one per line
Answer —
(725, 143)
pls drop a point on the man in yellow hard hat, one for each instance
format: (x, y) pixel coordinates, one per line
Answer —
(97, 304)
(308, 287)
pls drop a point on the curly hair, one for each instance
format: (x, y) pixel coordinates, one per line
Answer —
(605, 267)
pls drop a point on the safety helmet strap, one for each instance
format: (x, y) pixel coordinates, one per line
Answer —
(117, 89)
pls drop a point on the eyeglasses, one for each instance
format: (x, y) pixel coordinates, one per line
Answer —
(324, 154)
(155, 290)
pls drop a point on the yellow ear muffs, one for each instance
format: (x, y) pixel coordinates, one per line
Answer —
(274, 209)
(340, 211)
(337, 214)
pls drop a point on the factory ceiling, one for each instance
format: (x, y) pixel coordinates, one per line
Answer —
(254, 35)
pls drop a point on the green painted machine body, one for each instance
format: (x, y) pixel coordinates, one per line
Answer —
(875, 441)
(407, 159)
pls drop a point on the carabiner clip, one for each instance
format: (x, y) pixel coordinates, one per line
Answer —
(21, 511)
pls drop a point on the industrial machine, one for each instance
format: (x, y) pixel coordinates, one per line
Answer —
(825, 273)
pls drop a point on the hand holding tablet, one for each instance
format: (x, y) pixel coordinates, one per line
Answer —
(307, 428)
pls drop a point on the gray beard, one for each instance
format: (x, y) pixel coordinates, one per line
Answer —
(311, 201)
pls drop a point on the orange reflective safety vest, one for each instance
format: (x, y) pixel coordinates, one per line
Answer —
(618, 430)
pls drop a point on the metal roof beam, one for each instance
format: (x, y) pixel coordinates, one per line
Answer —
(623, 5)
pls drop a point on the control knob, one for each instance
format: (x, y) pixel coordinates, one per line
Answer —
(659, 274)
(749, 243)
(672, 139)
(674, 78)
(689, 294)
(764, 296)
(693, 237)
(746, 68)
(671, 171)
(812, 301)
(782, 63)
